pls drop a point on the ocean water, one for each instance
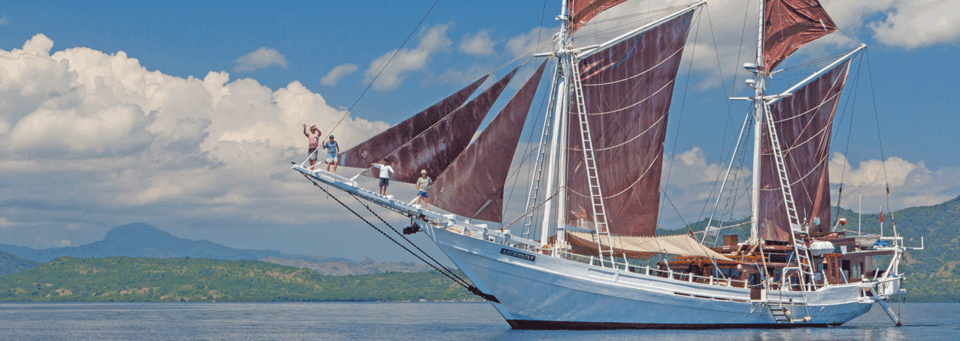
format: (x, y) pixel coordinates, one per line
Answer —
(398, 321)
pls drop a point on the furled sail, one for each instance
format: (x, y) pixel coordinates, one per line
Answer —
(790, 24)
(437, 146)
(374, 149)
(472, 186)
(582, 11)
(803, 122)
(627, 92)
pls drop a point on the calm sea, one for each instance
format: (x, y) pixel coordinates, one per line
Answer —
(396, 321)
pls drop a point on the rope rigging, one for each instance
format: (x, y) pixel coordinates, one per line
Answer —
(436, 266)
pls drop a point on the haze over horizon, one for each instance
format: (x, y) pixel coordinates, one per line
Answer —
(186, 115)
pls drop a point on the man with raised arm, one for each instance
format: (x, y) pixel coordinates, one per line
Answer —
(385, 171)
(314, 141)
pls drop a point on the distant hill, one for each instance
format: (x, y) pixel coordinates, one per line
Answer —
(10, 263)
(141, 240)
(144, 240)
(123, 279)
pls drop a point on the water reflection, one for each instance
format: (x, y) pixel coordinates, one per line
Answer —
(393, 321)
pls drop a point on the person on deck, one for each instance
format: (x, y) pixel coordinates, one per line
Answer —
(423, 186)
(314, 139)
(333, 153)
(385, 171)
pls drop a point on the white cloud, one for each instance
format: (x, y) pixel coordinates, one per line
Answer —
(478, 44)
(691, 188)
(910, 184)
(904, 24)
(919, 23)
(538, 39)
(338, 73)
(261, 58)
(897, 23)
(3, 21)
(98, 137)
(406, 60)
(692, 179)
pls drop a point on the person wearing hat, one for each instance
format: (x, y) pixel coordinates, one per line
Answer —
(385, 171)
(314, 139)
(333, 153)
(423, 186)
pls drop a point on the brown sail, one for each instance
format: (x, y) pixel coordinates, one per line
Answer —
(472, 186)
(790, 24)
(582, 11)
(627, 92)
(374, 149)
(803, 122)
(436, 147)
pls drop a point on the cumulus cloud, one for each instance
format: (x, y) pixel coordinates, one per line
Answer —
(406, 60)
(690, 182)
(338, 73)
(538, 39)
(261, 58)
(904, 24)
(897, 23)
(910, 184)
(478, 44)
(96, 136)
(919, 23)
(692, 186)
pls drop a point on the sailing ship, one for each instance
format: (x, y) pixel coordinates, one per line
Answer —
(580, 256)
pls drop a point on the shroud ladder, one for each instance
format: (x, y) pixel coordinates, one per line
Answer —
(798, 235)
(593, 179)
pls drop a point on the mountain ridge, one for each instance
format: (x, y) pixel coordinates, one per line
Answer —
(141, 240)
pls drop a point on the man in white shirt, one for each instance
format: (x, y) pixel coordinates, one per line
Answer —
(385, 171)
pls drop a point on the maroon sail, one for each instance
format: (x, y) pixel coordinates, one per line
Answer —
(374, 149)
(582, 11)
(436, 147)
(472, 186)
(627, 91)
(803, 122)
(790, 24)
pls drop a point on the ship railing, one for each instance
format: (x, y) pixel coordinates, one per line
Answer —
(653, 271)
(440, 220)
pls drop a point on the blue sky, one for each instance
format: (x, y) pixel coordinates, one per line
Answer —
(193, 135)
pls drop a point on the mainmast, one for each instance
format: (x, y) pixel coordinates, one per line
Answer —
(759, 84)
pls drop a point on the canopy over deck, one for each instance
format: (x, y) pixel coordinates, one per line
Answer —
(643, 247)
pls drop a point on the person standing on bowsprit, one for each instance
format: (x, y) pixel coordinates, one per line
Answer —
(314, 139)
(333, 154)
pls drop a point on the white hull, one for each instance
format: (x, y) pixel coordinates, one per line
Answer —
(537, 291)
(554, 293)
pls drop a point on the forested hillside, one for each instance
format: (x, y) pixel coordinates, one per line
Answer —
(123, 279)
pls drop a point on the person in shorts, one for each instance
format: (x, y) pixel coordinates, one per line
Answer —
(333, 153)
(314, 141)
(423, 187)
(385, 171)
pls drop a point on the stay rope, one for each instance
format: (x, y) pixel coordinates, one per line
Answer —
(436, 266)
